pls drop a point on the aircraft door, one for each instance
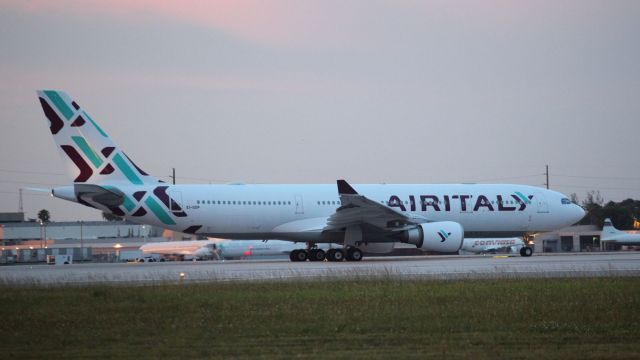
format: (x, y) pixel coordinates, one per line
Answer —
(541, 201)
(299, 205)
(175, 200)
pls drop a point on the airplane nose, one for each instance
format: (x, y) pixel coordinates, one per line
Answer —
(579, 212)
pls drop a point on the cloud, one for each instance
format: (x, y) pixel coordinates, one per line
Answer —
(274, 23)
(329, 24)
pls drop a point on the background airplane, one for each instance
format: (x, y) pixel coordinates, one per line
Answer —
(184, 250)
(244, 249)
(488, 245)
(613, 235)
(433, 217)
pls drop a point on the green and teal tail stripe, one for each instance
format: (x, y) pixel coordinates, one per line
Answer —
(96, 125)
(158, 211)
(126, 170)
(88, 151)
(129, 204)
(59, 103)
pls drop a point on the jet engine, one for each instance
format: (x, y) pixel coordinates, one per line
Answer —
(441, 236)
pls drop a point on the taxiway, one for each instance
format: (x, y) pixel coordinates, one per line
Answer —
(422, 267)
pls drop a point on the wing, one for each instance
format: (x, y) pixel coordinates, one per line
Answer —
(357, 209)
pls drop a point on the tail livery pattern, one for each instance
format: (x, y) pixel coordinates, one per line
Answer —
(91, 156)
(608, 228)
(104, 177)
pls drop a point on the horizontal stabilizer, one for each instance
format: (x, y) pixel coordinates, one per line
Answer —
(105, 196)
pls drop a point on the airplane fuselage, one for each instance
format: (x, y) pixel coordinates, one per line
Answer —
(299, 212)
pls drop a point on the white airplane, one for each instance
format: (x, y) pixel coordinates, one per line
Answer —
(360, 217)
(487, 245)
(195, 249)
(244, 249)
(613, 235)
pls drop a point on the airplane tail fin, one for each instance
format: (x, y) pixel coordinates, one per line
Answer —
(608, 230)
(89, 153)
(608, 225)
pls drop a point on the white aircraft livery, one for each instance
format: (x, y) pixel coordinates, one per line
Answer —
(488, 245)
(613, 235)
(359, 217)
(198, 249)
(244, 249)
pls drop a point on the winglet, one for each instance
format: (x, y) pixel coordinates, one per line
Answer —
(345, 189)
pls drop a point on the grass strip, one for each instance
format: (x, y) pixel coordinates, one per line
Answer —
(486, 319)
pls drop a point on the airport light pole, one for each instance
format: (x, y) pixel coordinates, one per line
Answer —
(117, 247)
(547, 175)
(41, 236)
(81, 242)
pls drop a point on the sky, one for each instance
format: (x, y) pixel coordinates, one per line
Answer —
(313, 91)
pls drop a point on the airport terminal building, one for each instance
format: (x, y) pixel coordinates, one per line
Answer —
(30, 241)
(579, 238)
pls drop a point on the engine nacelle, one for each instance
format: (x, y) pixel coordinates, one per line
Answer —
(442, 236)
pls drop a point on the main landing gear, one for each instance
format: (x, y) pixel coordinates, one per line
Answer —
(334, 255)
(526, 251)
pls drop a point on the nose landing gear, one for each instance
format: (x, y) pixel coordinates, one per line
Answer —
(526, 251)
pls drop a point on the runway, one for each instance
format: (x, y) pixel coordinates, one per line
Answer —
(414, 267)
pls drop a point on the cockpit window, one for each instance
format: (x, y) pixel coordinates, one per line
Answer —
(565, 201)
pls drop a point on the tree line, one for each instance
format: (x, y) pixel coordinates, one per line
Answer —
(623, 214)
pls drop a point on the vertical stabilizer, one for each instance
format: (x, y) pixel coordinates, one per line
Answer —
(89, 153)
(608, 230)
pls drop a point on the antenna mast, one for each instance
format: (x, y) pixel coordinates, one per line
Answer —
(546, 173)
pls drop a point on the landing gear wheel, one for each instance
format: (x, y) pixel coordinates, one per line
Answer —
(354, 254)
(316, 255)
(526, 251)
(298, 255)
(335, 255)
(302, 255)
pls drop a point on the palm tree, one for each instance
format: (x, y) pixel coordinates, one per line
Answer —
(44, 216)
